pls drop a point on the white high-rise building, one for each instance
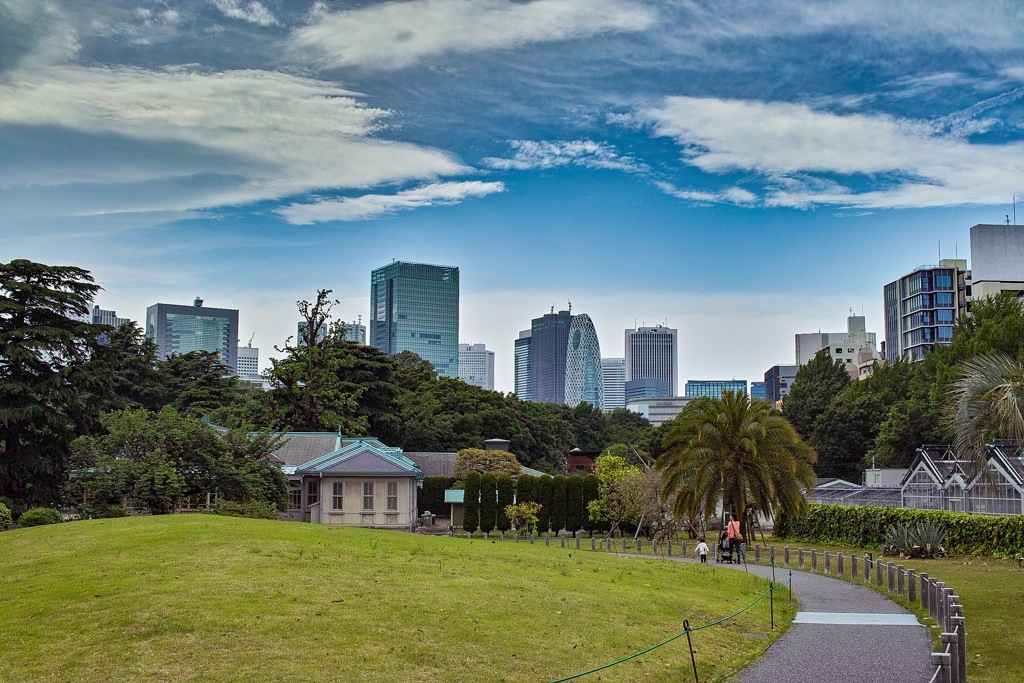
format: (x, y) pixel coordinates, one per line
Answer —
(476, 365)
(354, 332)
(849, 346)
(523, 360)
(997, 259)
(248, 367)
(102, 316)
(613, 375)
(651, 354)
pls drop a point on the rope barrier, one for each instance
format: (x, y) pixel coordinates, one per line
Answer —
(685, 632)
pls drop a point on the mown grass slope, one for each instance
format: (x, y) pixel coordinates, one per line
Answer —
(204, 598)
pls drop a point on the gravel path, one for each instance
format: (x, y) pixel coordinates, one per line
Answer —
(840, 653)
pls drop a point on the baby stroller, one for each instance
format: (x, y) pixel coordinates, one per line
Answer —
(724, 549)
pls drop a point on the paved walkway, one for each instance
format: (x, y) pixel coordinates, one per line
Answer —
(843, 633)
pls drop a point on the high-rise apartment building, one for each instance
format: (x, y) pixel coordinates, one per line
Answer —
(523, 360)
(651, 354)
(248, 366)
(583, 380)
(613, 374)
(104, 317)
(476, 365)
(178, 329)
(549, 340)
(842, 346)
(922, 307)
(997, 260)
(415, 307)
(777, 381)
(714, 388)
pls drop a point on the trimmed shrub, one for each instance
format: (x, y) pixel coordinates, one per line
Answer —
(471, 502)
(5, 516)
(488, 502)
(543, 497)
(233, 508)
(865, 527)
(526, 489)
(506, 486)
(39, 517)
(104, 511)
(431, 496)
(591, 491)
(574, 511)
(558, 502)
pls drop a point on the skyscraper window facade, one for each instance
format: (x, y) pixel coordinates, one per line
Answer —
(180, 329)
(549, 337)
(476, 365)
(777, 381)
(523, 358)
(757, 392)
(415, 307)
(248, 366)
(583, 379)
(613, 374)
(102, 316)
(921, 309)
(714, 388)
(652, 353)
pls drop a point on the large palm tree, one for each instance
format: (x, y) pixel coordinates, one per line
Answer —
(736, 450)
(987, 400)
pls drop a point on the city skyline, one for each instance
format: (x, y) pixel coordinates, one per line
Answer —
(751, 171)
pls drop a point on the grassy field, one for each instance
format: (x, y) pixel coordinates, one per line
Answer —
(992, 593)
(204, 598)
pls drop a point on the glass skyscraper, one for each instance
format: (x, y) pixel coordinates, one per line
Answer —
(714, 388)
(523, 365)
(921, 309)
(651, 354)
(180, 329)
(583, 377)
(415, 307)
(549, 339)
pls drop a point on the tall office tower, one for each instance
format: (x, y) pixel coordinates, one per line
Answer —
(476, 365)
(757, 391)
(301, 333)
(181, 329)
(714, 388)
(104, 317)
(777, 381)
(248, 367)
(415, 307)
(583, 380)
(997, 260)
(549, 339)
(523, 365)
(841, 345)
(613, 374)
(651, 354)
(354, 332)
(922, 307)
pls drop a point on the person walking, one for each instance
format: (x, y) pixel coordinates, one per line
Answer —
(735, 538)
(702, 551)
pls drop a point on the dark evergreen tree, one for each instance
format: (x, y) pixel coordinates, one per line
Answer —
(471, 502)
(590, 427)
(558, 502)
(543, 497)
(526, 489)
(506, 487)
(488, 502)
(574, 511)
(817, 383)
(199, 382)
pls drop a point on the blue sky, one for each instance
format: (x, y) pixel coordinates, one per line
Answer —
(743, 171)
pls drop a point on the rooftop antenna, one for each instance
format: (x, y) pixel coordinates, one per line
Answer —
(1015, 209)
(251, 338)
(552, 309)
(1007, 219)
(570, 307)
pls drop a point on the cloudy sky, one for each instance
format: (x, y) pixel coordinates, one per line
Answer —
(744, 170)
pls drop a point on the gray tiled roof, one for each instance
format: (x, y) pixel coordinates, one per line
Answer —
(434, 464)
(299, 449)
(362, 457)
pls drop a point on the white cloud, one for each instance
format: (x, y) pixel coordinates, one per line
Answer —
(788, 143)
(254, 12)
(374, 205)
(261, 135)
(393, 35)
(531, 154)
(731, 195)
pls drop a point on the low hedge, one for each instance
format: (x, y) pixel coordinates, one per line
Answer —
(865, 526)
(252, 508)
(39, 517)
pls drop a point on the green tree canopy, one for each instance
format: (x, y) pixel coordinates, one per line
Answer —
(738, 451)
(482, 461)
(816, 384)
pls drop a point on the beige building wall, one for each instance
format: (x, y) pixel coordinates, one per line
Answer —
(365, 501)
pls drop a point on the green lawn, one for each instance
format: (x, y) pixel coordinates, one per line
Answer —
(991, 591)
(204, 598)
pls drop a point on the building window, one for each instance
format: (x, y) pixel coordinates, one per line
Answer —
(312, 492)
(367, 495)
(295, 495)
(392, 495)
(338, 498)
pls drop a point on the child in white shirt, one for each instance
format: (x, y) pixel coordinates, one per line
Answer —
(702, 551)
